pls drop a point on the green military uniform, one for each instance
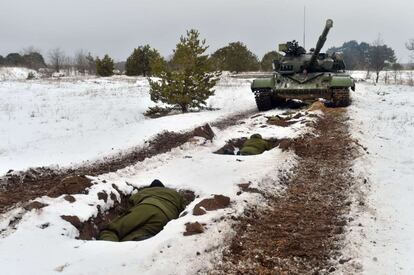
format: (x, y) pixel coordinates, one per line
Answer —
(255, 145)
(152, 208)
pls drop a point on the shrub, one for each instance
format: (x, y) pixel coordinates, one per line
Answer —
(105, 67)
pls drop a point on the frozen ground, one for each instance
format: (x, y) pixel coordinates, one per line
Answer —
(43, 243)
(382, 119)
(69, 121)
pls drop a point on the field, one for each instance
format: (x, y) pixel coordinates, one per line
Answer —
(333, 195)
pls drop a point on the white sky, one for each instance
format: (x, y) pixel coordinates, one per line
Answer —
(117, 26)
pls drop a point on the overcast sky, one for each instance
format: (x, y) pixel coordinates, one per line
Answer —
(117, 26)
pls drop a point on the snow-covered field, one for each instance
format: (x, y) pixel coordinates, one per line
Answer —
(69, 121)
(46, 244)
(15, 73)
(381, 240)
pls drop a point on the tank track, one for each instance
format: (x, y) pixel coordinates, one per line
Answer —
(341, 97)
(264, 100)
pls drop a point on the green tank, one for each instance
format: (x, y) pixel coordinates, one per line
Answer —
(305, 76)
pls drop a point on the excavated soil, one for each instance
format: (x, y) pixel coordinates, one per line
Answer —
(17, 188)
(301, 232)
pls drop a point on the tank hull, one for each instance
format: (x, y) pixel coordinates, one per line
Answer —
(278, 88)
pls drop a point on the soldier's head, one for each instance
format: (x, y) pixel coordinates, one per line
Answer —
(156, 183)
(256, 136)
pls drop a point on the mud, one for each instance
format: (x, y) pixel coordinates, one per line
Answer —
(301, 232)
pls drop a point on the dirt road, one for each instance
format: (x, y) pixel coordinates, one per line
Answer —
(301, 232)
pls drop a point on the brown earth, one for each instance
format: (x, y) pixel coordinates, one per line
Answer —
(301, 232)
(211, 204)
(193, 229)
(19, 187)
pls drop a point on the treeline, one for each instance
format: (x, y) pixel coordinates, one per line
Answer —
(374, 57)
(235, 57)
(144, 60)
(31, 60)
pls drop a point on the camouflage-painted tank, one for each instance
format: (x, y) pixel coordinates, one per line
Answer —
(305, 76)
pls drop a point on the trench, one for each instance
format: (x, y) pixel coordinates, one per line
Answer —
(19, 187)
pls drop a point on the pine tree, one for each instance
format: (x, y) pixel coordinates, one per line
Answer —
(235, 57)
(105, 67)
(190, 81)
(144, 61)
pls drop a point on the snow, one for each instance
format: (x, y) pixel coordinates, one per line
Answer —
(15, 73)
(382, 119)
(69, 121)
(192, 166)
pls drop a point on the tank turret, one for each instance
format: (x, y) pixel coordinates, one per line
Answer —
(321, 43)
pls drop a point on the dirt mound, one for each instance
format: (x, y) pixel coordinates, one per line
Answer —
(317, 106)
(74, 220)
(193, 229)
(301, 232)
(245, 187)
(204, 131)
(280, 121)
(215, 203)
(34, 205)
(71, 185)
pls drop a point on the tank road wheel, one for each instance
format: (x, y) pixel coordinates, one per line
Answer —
(341, 97)
(264, 100)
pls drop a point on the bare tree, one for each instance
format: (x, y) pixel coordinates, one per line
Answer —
(30, 50)
(57, 59)
(80, 61)
(410, 46)
(91, 64)
(379, 55)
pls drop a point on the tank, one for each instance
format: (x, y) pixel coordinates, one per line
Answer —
(305, 76)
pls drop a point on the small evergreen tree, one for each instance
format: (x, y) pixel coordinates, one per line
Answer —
(190, 81)
(235, 57)
(144, 61)
(105, 67)
(267, 61)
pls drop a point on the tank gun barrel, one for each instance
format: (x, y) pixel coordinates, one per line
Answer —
(321, 42)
